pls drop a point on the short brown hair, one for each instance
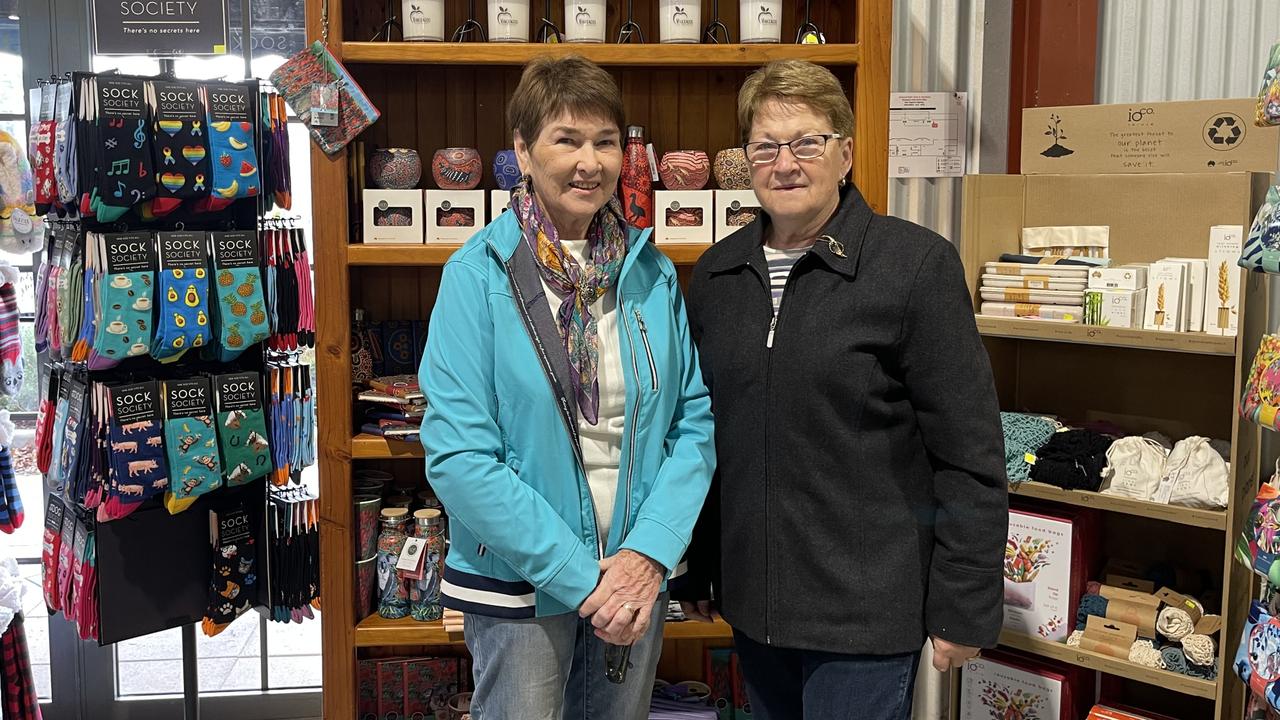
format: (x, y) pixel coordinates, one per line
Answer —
(799, 82)
(549, 86)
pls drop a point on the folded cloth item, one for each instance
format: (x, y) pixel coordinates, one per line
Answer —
(1072, 460)
(1054, 260)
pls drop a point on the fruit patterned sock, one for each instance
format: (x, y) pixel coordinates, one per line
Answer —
(231, 144)
(124, 176)
(179, 142)
(191, 442)
(183, 290)
(11, 512)
(241, 308)
(139, 469)
(125, 298)
(233, 583)
(11, 372)
(242, 427)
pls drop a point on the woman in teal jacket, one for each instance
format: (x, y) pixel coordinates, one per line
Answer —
(568, 432)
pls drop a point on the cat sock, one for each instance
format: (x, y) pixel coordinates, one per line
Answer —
(11, 372)
(124, 298)
(233, 583)
(241, 308)
(242, 427)
(234, 164)
(139, 466)
(183, 288)
(190, 442)
(124, 177)
(181, 154)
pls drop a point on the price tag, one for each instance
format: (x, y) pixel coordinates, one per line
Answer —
(1029, 459)
(324, 104)
(412, 554)
(653, 162)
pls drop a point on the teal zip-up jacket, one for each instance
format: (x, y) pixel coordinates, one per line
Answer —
(500, 430)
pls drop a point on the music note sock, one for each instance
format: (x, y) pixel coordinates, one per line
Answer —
(231, 144)
(190, 442)
(139, 468)
(233, 583)
(183, 292)
(11, 371)
(242, 427)
(124, 298)
(124, 177)
(240, 306)
(181, 152)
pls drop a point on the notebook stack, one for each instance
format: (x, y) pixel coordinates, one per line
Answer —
(1037, 288)
(395, 407)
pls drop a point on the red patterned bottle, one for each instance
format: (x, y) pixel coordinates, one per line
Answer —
(637, 180)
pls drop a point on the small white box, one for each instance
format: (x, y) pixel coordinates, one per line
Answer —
(1222, 284)
(453, 216)
(1123, 277)
(499, 202)
(1115, 308)
(1166, 288)
(683, 216)
(392, 217)
(1196, 279)
(734, 210)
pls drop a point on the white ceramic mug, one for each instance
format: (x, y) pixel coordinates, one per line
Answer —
(680, 21)
(584, 22)
(422, 20)
(760, 21)
(508, 20)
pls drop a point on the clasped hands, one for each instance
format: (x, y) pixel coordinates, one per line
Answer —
(621, 606)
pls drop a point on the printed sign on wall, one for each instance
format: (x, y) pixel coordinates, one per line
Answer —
(160, 28)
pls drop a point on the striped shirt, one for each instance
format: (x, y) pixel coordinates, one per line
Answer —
(780, 263)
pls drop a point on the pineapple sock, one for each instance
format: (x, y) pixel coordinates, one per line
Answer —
(124, 298)
(190, 442)
(242, 427)
(231, 143)
(241, 308)
(183, 288)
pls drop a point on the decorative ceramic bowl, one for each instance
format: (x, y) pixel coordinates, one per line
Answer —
(506, 170)
(456, 168)
(732, 170)
(395, 168)
(684, 170)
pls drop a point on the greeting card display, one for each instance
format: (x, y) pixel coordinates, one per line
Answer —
(1044, 572)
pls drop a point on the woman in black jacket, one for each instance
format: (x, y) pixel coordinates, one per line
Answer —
(862, 495)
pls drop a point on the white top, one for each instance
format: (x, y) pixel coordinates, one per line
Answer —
(780, 263)
(602, 442)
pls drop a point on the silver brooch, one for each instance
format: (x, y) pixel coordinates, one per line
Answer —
(835, 246)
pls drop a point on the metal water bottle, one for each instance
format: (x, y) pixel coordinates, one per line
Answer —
(637, 181)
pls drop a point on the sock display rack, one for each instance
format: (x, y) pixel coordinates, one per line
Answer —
(454, 95)
(1180, 384)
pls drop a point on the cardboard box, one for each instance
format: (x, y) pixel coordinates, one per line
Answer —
(1166, 289)
(734, 209)
(453, 216)
(499, 202)
(1124, 277)
(1222, 286)
(1115, 308)
(1196, 270)
(392, 217)
(1174, 137)
(683, 216)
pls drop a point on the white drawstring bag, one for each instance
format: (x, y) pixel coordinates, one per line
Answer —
(1134, 468)
(1195, 475)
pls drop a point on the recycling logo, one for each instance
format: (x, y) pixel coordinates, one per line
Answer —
(1224, 131)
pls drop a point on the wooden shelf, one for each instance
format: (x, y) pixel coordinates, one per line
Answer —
(1177, 682)
(372, 447)
(651, 54)
(438, 253)
(374, 631)
(1214, 519)
(1197, 343)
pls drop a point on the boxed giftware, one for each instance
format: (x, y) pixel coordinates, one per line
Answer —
(682, 216)
(453, 216)
(499, 202)
(734, 209)
(392, 216)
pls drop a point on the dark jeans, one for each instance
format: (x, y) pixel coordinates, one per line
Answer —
(788, 684)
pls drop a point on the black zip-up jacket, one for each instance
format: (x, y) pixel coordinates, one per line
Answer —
(862, 500)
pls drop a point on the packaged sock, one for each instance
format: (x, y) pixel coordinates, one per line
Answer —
(242, 427)
(124, 175)
(70, 297)
(190, 442)
(233, 582)
(11, 371)
(232, 147)
(63, 171)
(179, 143)
(183, 294)
(97, 459)
(44, 424)
(41, 147)
(74, 434)
(125, 298)
(139, 468)
(88, 308)
(241, 308)
(66, 559)
(50, 550)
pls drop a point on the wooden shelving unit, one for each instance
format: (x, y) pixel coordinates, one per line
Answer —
(445, 95)
(1181, 384)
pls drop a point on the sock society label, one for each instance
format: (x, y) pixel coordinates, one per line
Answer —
(238, 391)
(228, 103)
(176, 102)
(235, 249)
(130, 252)
(234, 527)
(120, 98)
(187, 398)
(136, 406)
(182, 250)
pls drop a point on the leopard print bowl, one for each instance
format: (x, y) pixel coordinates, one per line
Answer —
(732, 170)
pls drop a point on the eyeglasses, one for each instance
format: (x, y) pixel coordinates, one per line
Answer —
(803, 148)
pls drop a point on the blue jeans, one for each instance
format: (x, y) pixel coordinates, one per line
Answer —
(788, 684)
(552, 668)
